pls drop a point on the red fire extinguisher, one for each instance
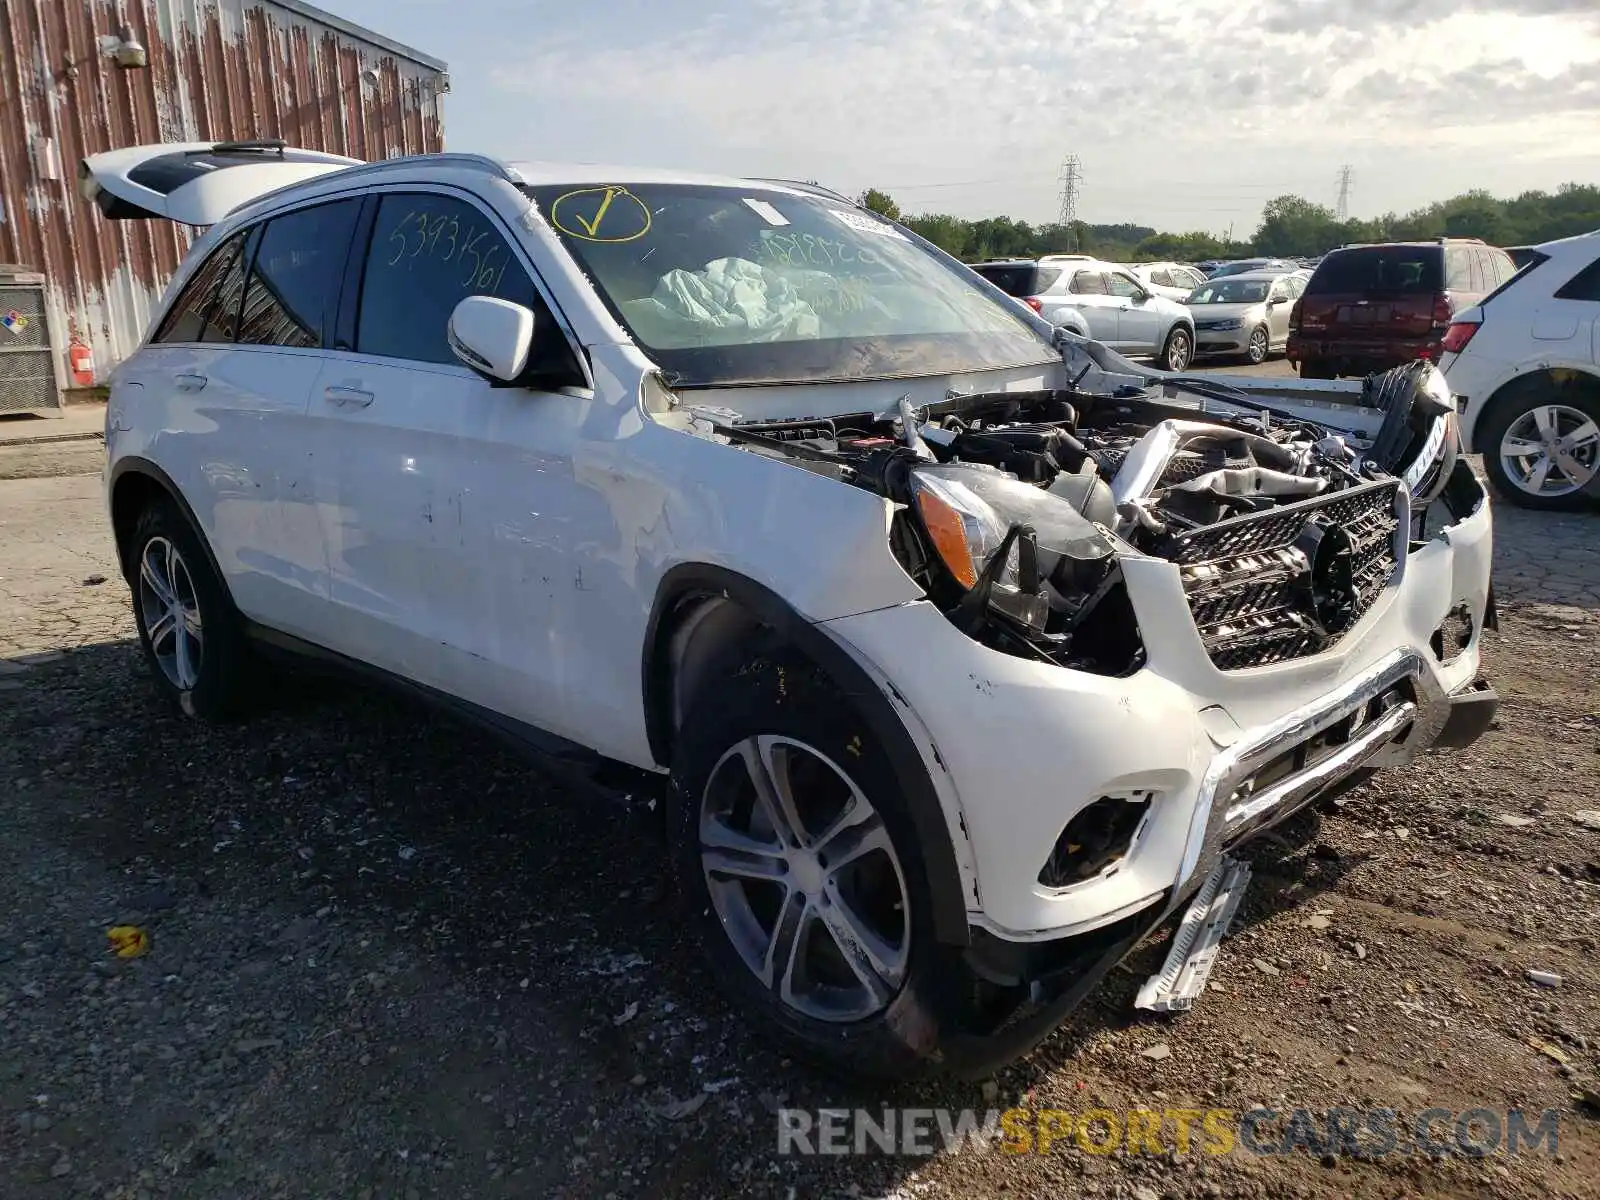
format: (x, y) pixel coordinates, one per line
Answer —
(81, 359)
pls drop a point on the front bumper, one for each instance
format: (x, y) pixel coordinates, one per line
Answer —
(1216, 341)
(1018, 747)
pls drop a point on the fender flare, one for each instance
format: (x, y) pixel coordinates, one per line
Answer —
(135, 465)
(772, 611)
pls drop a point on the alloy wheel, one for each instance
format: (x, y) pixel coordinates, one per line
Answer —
(171, 613)
(1551, 450)
(1178, 351)
(804, 879)
(1257, 352)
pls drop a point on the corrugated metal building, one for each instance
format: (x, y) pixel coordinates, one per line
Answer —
(216, 70)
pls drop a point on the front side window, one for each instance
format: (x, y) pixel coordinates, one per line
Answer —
(733, 285)
(190, 318)
(428, 253)
(1118, 284)
(295, 276)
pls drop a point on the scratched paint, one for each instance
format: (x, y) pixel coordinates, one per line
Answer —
(219, 70)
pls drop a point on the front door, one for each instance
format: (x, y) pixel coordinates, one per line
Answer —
(1139, 321)
(447, 504)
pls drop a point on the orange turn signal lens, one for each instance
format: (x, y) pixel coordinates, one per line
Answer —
(949, 534)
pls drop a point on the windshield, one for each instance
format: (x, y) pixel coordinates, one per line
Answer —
(730, 286)
(1230, 291)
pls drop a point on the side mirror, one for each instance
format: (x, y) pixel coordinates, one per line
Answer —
(491, 336)
(1274, 301)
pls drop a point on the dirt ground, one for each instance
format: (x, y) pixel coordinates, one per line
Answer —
(390, 959)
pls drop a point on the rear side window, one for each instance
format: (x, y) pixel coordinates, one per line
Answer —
(1585, 285)
(1089, 283)
(1020, 279)
(190, 317)
(1161, 278)
(1404, 270)
(1458, 269)
(428, 253)
(295, 276)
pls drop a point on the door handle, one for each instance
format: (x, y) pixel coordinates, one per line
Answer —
(347, 397)
(192, 383)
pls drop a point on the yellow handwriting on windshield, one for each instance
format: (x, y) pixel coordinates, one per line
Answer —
(601, 214)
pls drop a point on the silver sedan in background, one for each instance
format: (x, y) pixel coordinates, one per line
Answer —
(1245, 314)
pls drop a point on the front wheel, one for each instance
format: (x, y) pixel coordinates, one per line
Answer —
(1178, 351)
(1541, 445)
(797, 859)
(1255, 352)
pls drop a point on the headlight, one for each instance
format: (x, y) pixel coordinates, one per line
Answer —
(1225, 326)
(968, 511)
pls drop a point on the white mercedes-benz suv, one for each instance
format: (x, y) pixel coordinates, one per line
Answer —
(960, 649)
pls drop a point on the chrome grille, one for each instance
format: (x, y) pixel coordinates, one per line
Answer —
(1257, 596)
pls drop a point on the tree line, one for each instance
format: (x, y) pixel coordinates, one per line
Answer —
(1290, 225)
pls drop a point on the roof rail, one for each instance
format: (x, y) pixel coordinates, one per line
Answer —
(482, 162)
(815, 189)
(1066, 258)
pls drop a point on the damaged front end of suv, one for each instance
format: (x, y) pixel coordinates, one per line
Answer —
(1181, 612)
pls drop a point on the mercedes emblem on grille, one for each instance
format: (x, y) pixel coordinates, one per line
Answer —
(1328, 586)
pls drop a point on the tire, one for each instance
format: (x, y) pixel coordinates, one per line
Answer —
(1178, 352)
(781, 712)
(1260, 344)
(199, 659)
(1513, 418)
(1311, 369)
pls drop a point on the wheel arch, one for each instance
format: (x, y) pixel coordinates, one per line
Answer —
(135, 483)
(704, 614)
(1583, 377)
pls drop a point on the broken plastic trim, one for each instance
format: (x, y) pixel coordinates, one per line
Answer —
(1194, 945)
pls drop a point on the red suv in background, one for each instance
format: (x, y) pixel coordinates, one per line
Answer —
(1369, 308)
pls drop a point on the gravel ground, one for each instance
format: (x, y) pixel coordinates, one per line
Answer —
(390, 959)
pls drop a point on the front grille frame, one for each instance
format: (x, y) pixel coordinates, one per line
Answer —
(1249, 585)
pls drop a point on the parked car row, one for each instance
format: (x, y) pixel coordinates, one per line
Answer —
(1165, 311)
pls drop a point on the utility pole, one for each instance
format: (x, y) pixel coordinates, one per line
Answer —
(1071, 180)
(1344, 192)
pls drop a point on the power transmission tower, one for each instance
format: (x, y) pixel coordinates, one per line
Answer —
(1344, 192)
(1071, 180)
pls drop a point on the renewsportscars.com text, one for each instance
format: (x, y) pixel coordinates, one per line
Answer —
(1352, 1132)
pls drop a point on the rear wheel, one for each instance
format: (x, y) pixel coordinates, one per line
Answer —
(1312, 369)
(1255, 353)
(797, 859)
(1540, 441)
(187, 626)
(1178, 351)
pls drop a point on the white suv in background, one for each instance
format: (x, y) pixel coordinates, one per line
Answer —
(1525, 363)
(1174, 281)
(1102, 301)
(957, 652)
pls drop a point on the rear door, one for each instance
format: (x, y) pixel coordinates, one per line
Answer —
(1374, 294)
(196, 183)
(229, 370)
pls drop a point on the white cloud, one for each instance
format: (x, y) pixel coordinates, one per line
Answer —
(1184, 113)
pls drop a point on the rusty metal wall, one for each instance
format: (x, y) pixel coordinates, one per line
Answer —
(219, 70)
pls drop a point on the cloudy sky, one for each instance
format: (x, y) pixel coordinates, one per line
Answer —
(1184, 113)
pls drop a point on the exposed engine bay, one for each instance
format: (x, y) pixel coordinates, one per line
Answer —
(1020, 507)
